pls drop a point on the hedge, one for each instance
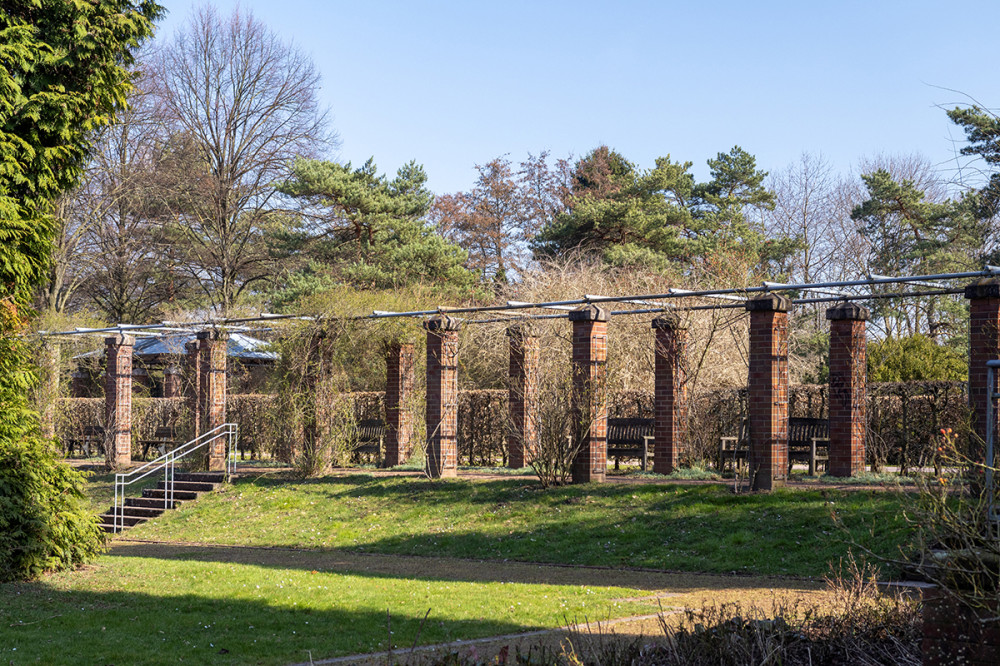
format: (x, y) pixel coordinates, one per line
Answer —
(904, 419)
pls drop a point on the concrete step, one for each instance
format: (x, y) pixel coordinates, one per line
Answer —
(152, 502)
(136, 511)
(201, 477)
(196, 486)
(157, 493)
(128, 521)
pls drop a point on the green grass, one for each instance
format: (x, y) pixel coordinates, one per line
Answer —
(200, 608)
(678, 527)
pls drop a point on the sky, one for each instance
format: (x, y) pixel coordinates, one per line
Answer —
(455, 84)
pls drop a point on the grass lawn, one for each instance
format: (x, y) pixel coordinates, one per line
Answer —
(201, 608)
(701, 528)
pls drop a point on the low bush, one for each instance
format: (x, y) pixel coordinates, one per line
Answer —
(45, 521)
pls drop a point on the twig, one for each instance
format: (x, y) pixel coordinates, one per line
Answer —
(25, 624)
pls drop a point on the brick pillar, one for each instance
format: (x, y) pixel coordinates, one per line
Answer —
(984, 345)
(589, 402)
(192, 361)
(442, 396)
(118, 401)
(768, 390)
(49, 386)
(399, 382)
(848, 380)
(172, 382)
(523, 395)
(670, 393)
(212, 345)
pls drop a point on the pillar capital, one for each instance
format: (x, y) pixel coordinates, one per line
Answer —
(215, 334)
(588, 313)
(441, 323)
(669, 321)
(848, 311)
(120, 340)
(983, 288)
(769, 303)
(522, 330)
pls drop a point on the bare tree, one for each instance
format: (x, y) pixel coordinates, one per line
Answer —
(495, 220)
(245, 102)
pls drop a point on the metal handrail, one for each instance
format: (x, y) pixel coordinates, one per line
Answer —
(167, 462)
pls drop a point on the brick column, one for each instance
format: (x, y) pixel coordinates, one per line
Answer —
(399, 381)
(522, 438)
(589, 402)
(848, 380)
(212, 345)
(192, 361)
(984, 345)
(442, 396)
(49, 386)
(768, 390)
(118, 401)
(670, 393)
(172, 382)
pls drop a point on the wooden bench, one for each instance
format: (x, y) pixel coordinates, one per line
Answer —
(630, 438)
(164, 438)
(369, 435)
(808, 442)
(93, 436)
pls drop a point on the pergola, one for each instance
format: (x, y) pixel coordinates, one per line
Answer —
(767, 306)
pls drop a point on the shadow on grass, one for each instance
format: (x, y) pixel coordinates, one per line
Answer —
(45, 624)
(441, 569)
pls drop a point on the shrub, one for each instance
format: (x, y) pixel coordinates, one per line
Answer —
(45, 521)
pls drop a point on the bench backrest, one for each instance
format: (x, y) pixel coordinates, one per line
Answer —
(165, 432)
(629, 431)
(93, 431)
(370, 430)
(802, 431)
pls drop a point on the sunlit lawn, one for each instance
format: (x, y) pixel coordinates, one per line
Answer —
(701, 528)
(148, 610)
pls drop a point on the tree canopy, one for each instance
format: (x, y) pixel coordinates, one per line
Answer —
(360, 228)
(661, 215)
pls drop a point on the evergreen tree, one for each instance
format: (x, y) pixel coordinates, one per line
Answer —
(360, 228)
(63, 73)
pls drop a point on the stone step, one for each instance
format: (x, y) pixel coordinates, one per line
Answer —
(127, 521)
(152, 502)
(202, 477)
(196, 486)
(136, 511)
(157, 493)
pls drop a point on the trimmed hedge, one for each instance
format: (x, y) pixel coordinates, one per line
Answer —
(904, 419)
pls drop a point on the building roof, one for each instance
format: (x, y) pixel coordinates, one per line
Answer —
(239, 346)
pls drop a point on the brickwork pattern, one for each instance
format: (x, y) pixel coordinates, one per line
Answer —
(848, 399)
(213, 392)
(953, 634)
(118, 400)
(399, 365)
(522, 438)
(984, 345)
(442, 397)
(173, 383)
(768, 398)
(589, 402)
(192, 369)
(670, 395)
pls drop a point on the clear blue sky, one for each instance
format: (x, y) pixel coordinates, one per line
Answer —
(453, 84)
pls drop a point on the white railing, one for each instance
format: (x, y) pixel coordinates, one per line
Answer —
(167, 463)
